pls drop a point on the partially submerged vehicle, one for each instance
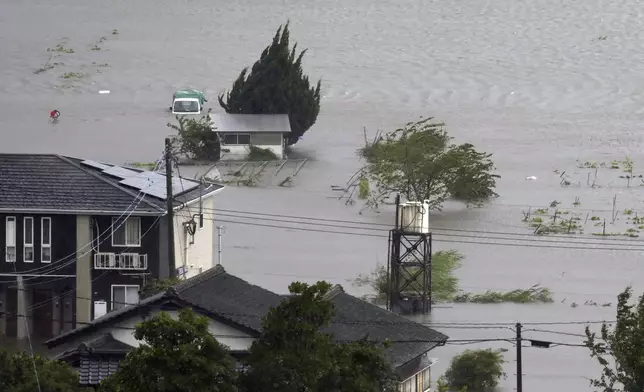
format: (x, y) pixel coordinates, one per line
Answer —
(188, 101)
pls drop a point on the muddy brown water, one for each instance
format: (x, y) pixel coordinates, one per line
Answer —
(540, 84)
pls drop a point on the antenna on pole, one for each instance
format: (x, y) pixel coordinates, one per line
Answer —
(169, 206)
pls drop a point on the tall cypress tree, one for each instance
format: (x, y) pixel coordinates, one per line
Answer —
(276, 84)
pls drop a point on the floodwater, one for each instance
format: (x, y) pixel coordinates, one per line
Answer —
(540, 84)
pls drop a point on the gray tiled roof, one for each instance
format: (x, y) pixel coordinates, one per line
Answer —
(54, 183)
(356, 319)
(245, 304)
(229, 297)
(249, 123)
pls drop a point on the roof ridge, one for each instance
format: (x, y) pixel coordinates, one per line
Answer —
(334, 291)
(206, 275)
(122, 189)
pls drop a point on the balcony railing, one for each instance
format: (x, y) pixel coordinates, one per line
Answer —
(120, 261)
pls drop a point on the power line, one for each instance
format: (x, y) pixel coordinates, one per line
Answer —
(442, 240)
(478, 325)
(551, 241)
(353, 222)
(232, 336)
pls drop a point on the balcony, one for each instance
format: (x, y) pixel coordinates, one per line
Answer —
(120, 261)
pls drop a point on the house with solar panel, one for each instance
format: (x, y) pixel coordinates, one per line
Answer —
(238, 132)
(80, 238)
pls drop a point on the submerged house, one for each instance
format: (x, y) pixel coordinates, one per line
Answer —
(235, 308)
(238, 132)
(79, 238)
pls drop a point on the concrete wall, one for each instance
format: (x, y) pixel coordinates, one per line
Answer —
(198, 256)
(83, 270)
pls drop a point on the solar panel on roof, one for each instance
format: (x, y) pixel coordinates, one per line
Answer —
(95, 165)
(120, 172)
(153, 184)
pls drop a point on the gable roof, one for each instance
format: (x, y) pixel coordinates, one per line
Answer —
(239, 303)
(250, 123)
(356, 319)
(51, 183)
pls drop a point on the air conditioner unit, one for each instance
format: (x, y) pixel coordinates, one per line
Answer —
(136, 261)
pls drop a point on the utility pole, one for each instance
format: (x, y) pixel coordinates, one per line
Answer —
(219, 229)
(519, 364)
(170, 205)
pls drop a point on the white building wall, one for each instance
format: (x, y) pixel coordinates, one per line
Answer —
(196, 257)
(241, 152)
(123, 331)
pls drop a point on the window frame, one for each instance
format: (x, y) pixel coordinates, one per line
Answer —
(116, 226)
(125, 286)
(15, 234)
(25, 244)
(237, 139)
(44, 245)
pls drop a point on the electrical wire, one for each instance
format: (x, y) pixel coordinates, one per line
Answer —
(442, 240)
(434, 234)
(492, 325)
(388, 226)
(44, 302)
(232, 336)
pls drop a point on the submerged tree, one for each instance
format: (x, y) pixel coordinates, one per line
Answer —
(179, 355)
(292, 354)
(276, 84)
(620, 351)
(197, 138)
(420, 162)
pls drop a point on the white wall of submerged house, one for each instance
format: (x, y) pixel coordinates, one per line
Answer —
(194, 254)
(237, 146)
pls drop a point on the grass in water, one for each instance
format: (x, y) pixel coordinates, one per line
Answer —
(520, 296)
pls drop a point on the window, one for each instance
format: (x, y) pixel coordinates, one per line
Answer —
(126, 233)
(408, 385)
(10, 232)
(28, 239)
(45, 240)
(240, 139)
(426, 380)
(124, 295)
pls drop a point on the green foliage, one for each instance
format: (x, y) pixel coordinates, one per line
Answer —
(276, 84)
(363, 188)
(260, 154)
(158, 285)
(197, 138)
(620, 351)
(420, 162)
(180, 356)
(293, 355)
(17, 374)
(474, 370)
(445, 285)
(521, 296)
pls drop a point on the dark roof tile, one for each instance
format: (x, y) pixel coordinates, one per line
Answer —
(54, 183)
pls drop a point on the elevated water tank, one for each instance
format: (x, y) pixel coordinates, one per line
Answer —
(413, 217)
